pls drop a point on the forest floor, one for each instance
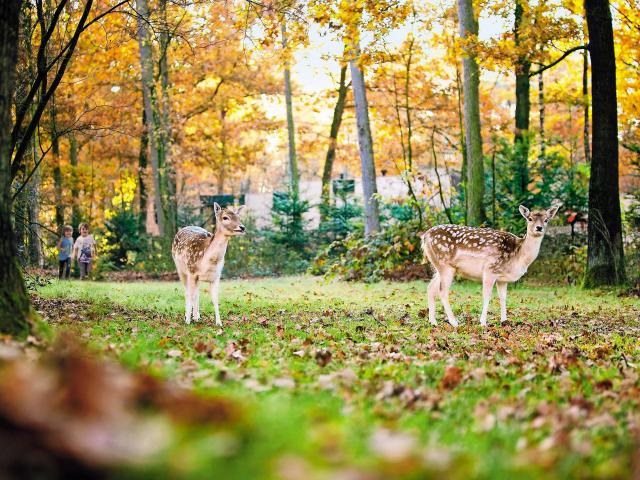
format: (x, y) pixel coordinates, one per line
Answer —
(348, 380)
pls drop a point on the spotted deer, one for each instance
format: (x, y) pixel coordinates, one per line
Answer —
(482, 254)
(199, 256)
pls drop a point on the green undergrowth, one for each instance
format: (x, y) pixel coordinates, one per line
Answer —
(349, 380)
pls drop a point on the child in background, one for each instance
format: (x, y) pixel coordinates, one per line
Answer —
(65, 249)
(84, 250)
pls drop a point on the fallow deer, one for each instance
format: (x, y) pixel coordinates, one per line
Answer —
(199, 256)
(482, 254)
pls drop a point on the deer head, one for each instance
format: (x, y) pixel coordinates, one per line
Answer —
(538, 219)
(228, 220)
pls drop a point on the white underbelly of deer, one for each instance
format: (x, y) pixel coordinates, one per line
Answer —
(469, 265)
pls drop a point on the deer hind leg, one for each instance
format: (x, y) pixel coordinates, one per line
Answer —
(432, 291)
(487, 287)
(502, 293)
(196, 302)
(446, 279)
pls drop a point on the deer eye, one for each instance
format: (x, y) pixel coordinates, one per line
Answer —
(225, 218)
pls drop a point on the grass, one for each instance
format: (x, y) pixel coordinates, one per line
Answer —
(350, 379)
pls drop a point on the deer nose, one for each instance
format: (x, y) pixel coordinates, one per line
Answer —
(538, 228)
(241, 227)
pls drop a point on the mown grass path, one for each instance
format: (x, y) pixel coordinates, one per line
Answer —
(349, 380)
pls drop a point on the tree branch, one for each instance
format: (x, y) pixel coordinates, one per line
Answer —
(554, 63)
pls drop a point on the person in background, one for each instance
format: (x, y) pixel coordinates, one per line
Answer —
(65, 249)
(84, 251)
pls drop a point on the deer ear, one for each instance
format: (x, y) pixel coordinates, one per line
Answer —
(239, 209)
(551, 212)
(216, 208)
(524, 211)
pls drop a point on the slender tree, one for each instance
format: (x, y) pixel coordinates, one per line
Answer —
(605, 256)
(471, 88)
(333, 136)
(142, 175)
(294, 180)
(369, 186)
(154, 126)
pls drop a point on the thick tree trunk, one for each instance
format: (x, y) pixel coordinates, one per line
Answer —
(154, 126)
(543, 140)
(75, 182)
(294, 180)
(605, 256)
(333, 136)
(15, 310)
(585, 99)
(471, 86)
(142, 175)
(365, 142)
(523, 107)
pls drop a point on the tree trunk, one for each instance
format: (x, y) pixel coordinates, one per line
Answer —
(222, 170)
(142, 175)
(605, 256)
(75, 182)
(333, 136)
(523, 107)
(57, 170)
(15, 310)
(463, 144)
(150, 100)
(293, 161)
(36, 254)
(543, 140)
(169, 177)
(585, 100)
(471, 86)
(369, 187)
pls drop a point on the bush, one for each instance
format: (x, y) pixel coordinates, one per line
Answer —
(121, 241)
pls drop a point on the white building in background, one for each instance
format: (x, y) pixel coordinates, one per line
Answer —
(389, 187)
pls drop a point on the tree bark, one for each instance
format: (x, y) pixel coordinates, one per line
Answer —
(150, 100)
(142, 175)
(293, 161)
(605, 255)
(541, 106)
(15, 310)
(463, 144)
(369, 186)
(36, 253)
(333, 136)
(169, 177)
(523, 107)
(75, 182)
(476, 214)
(585, 100)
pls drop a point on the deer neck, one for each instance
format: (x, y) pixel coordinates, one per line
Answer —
(218, 247)
(529, 249)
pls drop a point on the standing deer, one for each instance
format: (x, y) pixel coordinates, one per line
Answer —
(482, 254)
(199, 256)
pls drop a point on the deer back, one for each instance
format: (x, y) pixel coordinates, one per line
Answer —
(189, 247)
(443, 244)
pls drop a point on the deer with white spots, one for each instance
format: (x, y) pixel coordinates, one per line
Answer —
(490, 256)
(199, 256)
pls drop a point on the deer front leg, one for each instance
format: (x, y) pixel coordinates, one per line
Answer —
(487, 287)
(502, 294)
(446, 278)
(214, 298)
(432, 291)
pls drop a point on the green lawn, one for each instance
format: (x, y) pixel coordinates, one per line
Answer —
(347, 380)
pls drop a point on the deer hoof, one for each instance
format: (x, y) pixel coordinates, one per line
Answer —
(187, 321)
(454, 323)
